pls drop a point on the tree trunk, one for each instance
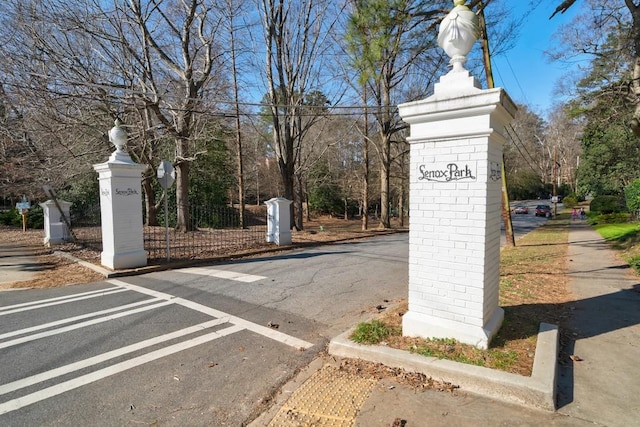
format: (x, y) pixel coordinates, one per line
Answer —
(385, 165)
(182, 189)
(289, 191)
(306, 199)
(150, 202)
(365, 178)
(401, 206)
(299, 224)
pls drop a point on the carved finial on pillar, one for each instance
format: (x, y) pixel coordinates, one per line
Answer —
(459, 30)
(118, 136)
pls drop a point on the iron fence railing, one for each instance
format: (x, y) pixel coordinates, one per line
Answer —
(85, 222)
(214, 231)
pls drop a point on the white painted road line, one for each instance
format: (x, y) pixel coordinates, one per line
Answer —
(8, 307)
(221, 274)
(82, 364)
(261, 330)
(81, 325)
(75, 319)
(56, 301)
(80, 381)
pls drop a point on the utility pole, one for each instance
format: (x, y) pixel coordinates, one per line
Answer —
(554, 179)
(365, 179)
(486, 56)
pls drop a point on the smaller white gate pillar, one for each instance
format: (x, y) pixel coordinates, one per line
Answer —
(55, 229)
(121, 207)
(278, 221)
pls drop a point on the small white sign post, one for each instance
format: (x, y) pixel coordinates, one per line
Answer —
(166, 177)
(455, 198)
(23, 208)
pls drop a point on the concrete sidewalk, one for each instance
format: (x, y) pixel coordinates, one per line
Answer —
(600, 389)
(19, 262)
(604, 387)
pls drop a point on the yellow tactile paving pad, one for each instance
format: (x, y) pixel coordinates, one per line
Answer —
(329, 398)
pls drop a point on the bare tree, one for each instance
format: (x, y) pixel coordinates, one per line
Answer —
(125, 59)
(232, 10)
(179, 51)
(294, 37)
(565, 134)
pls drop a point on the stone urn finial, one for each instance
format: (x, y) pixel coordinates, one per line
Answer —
(459, 30)
(118, 136)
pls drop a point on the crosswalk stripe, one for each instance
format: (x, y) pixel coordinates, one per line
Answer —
(262, 330)
(222, 274)
(91, 361)
(81, 325)
(82, 380)
(74, 319)
(56, 301)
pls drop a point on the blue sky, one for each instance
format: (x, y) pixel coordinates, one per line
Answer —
(524, 71)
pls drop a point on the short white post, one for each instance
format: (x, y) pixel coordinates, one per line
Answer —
(278, 221)
(55, 230)
(455, 198)
(121, 207)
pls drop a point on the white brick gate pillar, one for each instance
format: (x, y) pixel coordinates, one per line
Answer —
(55, 229)
(455, 197)
(121, 207)
(278, 221)
(455, 203)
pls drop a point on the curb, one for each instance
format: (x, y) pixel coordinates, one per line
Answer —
(537, 391)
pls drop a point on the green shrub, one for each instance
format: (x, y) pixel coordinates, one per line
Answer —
(607, 205)
(570, 202)
(632, 196)
(612, 218)
(35, 217)
(6, 217)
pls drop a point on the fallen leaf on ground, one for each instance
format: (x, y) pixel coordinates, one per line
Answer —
(575, 358)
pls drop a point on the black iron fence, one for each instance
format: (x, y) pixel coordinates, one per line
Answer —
(213, 231)
(85, 223)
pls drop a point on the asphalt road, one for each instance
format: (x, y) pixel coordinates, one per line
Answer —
(196, 346)
(524, 223)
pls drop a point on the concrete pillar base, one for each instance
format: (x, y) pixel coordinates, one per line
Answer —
(421, 325)
(124, 259)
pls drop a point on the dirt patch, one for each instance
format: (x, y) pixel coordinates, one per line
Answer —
(379, 371)
(59, 271)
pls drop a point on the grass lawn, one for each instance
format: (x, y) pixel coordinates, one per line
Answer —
(625, 238)
(618, 232)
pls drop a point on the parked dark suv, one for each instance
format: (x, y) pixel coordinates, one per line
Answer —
(543, 210)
